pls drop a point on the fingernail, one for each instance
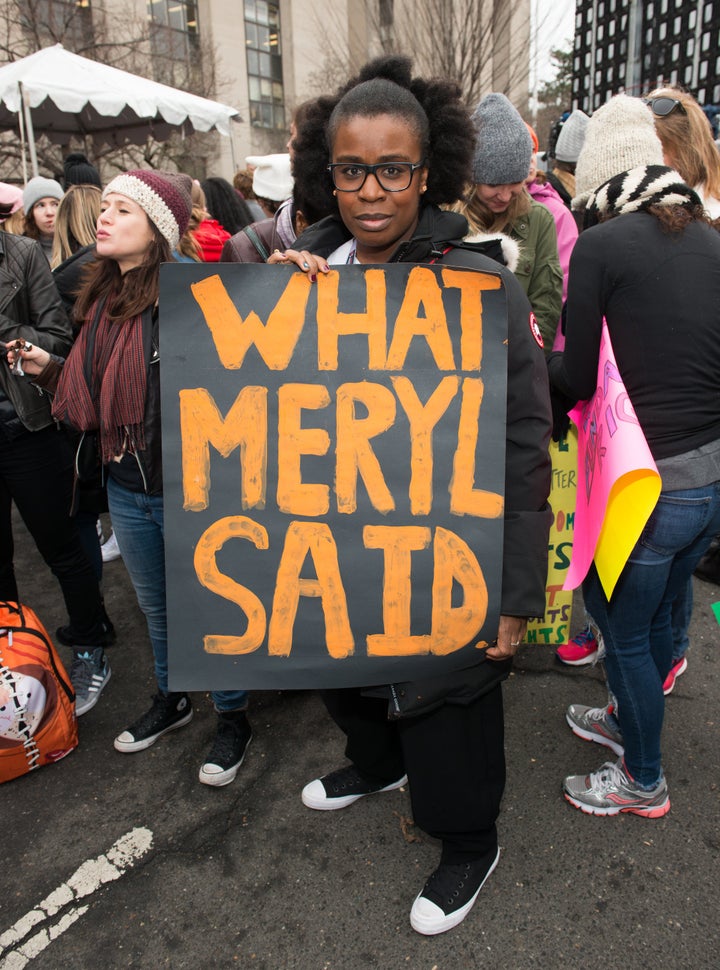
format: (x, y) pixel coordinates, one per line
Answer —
(326, 268)
(313, 278)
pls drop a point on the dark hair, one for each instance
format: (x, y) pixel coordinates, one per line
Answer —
(380, 97)
(30, 227)
(385, 86)
(128, 294)
(225, 205)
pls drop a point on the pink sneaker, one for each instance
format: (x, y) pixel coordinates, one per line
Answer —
(679, 667)
(582, 649)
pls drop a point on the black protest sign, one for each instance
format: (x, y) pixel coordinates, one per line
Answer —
(333, 458)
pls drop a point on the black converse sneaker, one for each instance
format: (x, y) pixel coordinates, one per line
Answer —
(449, 894)
(228, 751)
(89, 674)
(343, 787)
(168, 711)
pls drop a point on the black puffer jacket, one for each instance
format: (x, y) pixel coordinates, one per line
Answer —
(528, 516)
(31, 308)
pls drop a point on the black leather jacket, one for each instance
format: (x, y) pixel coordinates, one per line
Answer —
(31, 308)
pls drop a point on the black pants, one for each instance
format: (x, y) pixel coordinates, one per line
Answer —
(454, 758)
(36, 473)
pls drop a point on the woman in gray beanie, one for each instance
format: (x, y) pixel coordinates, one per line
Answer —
(41, 197)
(498, 202)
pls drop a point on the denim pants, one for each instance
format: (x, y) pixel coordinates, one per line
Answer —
(636, 623)
(137, 521)
(36, 473)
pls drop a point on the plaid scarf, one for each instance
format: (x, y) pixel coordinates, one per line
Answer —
(104, 382)
(637, 190)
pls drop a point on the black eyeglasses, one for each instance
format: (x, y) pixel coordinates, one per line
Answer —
(391, 176)
(663, 106)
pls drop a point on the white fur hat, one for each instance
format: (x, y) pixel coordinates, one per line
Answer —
(272, 178)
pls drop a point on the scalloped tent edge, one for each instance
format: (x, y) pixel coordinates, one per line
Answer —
(60, 94)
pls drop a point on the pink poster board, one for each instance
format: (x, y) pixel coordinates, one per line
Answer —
(618, 481)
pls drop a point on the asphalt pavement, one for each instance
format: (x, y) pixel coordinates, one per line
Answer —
(114, 861)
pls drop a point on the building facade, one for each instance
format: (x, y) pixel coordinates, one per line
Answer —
(264, 57)
(629, 46)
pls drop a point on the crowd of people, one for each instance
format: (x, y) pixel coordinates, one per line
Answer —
(393, 168)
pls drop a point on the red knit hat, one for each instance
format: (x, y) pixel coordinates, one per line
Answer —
(164, 197)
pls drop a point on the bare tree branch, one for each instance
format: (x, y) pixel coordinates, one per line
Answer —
(122, 38)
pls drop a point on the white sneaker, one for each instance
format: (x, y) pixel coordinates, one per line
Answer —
(110, 550)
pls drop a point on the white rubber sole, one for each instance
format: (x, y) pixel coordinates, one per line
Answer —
(315, 796)
(124, 742)
(597, 738)
(429, 919)
(214, 775)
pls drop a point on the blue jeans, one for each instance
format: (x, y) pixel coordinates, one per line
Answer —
(636, 623)
(137, 521)
(681, 615)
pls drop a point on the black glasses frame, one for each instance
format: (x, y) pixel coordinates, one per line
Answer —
(373, 170)
(664, 106)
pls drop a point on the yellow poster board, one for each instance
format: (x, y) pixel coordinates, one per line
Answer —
(554, 627)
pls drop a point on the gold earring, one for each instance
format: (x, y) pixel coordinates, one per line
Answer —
(423, 188)
(334, 191)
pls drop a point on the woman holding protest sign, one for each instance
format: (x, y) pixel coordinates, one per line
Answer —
(109, 386)
(399, 147)
(649, 265)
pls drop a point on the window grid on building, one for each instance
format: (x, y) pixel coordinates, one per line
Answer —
(264, 64)
(673, 42)
(65, 21)
(173, 30)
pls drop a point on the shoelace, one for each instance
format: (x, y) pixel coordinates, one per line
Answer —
(224, 744)
(609, 777)
(584, 638)
(448, 881)
(81, 672)
(601, 715)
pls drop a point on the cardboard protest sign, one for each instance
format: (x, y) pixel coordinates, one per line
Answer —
(619, 483)
(333, 460)
(554, 626)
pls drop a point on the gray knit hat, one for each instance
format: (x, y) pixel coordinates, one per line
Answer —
(503, 147)
(620, 136)
(572, 136)
(40, 188)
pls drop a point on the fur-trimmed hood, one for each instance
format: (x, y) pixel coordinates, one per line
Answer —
(510, 248)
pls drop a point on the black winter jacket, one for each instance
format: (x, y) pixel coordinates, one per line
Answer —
(439, 238)
(660, 293)
(30, 307)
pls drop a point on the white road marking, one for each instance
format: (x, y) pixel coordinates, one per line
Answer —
(20, 957)
(84, 881)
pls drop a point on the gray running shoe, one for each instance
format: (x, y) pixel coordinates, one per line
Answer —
(89, 674)
(611, 791)
(596, 724)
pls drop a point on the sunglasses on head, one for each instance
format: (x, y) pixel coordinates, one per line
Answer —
(663, 106)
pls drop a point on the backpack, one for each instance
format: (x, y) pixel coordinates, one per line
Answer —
(38, 724)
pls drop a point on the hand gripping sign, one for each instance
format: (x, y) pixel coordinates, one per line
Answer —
(618, 481)
(333, 463)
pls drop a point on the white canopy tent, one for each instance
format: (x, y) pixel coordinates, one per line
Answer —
(61, 94)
